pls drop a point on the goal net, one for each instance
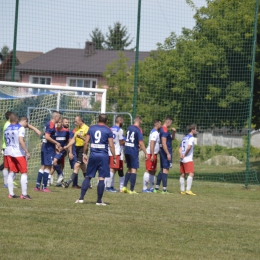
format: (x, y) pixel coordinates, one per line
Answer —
(37, 103)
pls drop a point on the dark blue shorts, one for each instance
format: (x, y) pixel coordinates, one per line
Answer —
(164, 163)
(47, 157)
(100, 164)
(132, 161)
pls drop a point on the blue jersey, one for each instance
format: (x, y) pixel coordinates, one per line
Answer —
(133, 136)
(51, 131)
(62, 136)
(99, 135)
(166, 134)
(72, 133)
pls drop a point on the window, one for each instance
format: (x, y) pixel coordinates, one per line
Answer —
(39, 80)
(82, 83)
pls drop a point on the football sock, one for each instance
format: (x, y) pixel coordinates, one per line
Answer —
(109, 180)
(112, 179)
(121, 182)
(24, 184)
(182, 184)
(75, 180)
(1, 167)
(189, 183)
(39, 178)
(164, 180)
(10, 183)
(100, 190)
(5, 174)
(14, 176)
(127, 177)
(84, 188)
(58, 169)
(159, 179)
(151, 180)
(72, 177)
(133, 181)
(145, 180)
(45, 178)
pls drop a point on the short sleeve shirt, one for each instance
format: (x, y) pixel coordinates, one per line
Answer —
(186, 141)
(154, 136)
(82, 130)
(134, 135)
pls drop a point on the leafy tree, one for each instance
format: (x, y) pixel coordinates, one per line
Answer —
(98, 38)
(119, 80)
(5, 51)
(117, 38)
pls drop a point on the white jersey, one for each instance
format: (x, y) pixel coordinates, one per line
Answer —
(12, 134)
(186, 141)
(117, 136)
(154, 136)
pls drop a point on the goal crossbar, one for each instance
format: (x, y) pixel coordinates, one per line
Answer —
(61, 88)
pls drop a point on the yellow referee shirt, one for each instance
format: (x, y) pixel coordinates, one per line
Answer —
(82, 130)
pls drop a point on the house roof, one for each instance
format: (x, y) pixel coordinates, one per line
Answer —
(25, 56)
(66, 60)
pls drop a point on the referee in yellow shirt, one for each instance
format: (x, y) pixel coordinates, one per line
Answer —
(78, 139)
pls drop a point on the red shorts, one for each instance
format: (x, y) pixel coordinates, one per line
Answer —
(187, 167)
(111, 162)
(151, 166)
(15, 164)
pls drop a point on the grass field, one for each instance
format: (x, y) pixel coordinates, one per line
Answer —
(221, 222)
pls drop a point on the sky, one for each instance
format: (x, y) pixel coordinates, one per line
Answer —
(45, 25)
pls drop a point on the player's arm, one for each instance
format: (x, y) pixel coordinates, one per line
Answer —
(142, 146)
(187, 150)
(173, 133)
(112, 148)
(164, 145)
(49, 139)
(81, 137)
(71, 142)
(122, 142)
(85, 149)
(37, 131)
(22, 143)
(152, 144)
(180, 152)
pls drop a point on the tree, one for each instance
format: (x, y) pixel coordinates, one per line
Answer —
(98, 38)
(117, 38)
(119, 80)
(5, 51)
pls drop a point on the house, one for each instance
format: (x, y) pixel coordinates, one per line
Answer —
(21, 58)
(72, 67)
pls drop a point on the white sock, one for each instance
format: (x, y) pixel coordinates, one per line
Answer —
(5, 174)
(10, 183)
(151, 180)
(112, 179)
(145, 180)
(189, 183)
(182, 183)
(108, 181)
(24, 183)
(121, 182)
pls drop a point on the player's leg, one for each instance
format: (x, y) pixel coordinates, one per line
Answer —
(5, 172)
(12, 168)
(103, 172)
(24, 177)
(79, 151)
(90, 173)
(47, 169)
(163, 159)
(133, 179)
(128, 173)
(182, 179)
(40, 174)
(121, 175)
(189, 167)
(151, 180)
(146, 174)
(164, 180)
